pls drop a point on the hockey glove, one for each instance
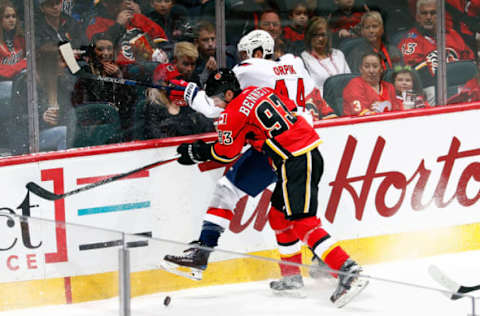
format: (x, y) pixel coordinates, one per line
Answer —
(190, 93)
(176, 91)
(193, 153)
(190, 88)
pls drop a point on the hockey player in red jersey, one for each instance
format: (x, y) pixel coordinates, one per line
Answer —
(251, 173)
(263, 119)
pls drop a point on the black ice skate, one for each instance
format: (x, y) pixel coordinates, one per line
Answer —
(291, 285)
(191, 265)
(348, 286)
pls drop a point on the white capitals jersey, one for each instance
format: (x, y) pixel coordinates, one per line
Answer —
(287, 76)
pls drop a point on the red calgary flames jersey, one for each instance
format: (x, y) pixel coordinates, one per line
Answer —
(264, 119)
(421, 51)
(359, 96)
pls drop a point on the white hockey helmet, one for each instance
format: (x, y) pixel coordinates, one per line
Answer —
(256, 39)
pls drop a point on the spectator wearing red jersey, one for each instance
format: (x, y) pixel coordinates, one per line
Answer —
(298, 20)
(132, 31)
(462, 15)
(419, 48)
(12, 42)
(344, 20)
(369, 94)
(372, 31)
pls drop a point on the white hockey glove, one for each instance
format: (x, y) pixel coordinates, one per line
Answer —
(191, 91)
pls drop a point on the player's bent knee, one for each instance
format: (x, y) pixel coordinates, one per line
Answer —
(303, 226)
(277, 220)
(226, 195)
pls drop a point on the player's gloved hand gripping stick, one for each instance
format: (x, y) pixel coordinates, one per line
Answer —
(43, 193)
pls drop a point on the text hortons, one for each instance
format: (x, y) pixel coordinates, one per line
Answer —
(419, 179)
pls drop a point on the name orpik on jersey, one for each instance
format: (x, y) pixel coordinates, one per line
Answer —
(284, 70)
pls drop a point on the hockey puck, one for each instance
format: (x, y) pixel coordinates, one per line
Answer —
(167, 300)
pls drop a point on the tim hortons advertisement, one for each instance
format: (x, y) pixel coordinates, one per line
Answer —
(382, 176)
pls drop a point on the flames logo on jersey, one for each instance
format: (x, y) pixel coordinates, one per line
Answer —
(217, 76)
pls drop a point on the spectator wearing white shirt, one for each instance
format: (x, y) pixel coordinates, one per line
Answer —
(321, 60)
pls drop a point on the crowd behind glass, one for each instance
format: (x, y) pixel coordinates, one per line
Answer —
(365, 56)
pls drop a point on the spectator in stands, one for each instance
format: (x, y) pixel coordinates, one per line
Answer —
(462, 15)
(419, 48)
(54, 86)
(133, 33)
(205, 40)
(52, 25)
(167, 116)
(168, 15)
(408, 88)
(344, 20)
(369, 94)
(270, 21)
(321, 60)
(298, 20)
(371, 30)
(244, 16)
(470, 92)
(102, 63)
(184, 61)
(12, 42)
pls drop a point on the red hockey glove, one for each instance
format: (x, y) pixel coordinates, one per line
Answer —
(176, 95)
(190, 88)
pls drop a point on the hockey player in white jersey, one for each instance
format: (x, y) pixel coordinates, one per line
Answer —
(287, 75)
(249, 175)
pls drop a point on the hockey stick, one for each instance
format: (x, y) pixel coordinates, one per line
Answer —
(43, 193)
(439, 276)
(67, 53)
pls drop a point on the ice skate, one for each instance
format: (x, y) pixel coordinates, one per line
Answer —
(348, 286)
(317, 269)
(291, 285)
(191, 265)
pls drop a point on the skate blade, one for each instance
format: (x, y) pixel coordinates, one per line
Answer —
(186, 272)
(297, 293)
(357, 286)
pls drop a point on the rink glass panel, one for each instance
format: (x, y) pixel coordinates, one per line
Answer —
(53, 266)
(238, 284)
(119, 116)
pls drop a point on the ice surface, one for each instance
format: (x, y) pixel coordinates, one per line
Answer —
(379, 298)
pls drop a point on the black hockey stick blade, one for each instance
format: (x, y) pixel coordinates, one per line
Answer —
(68, 55)
(442, 278)
(47, 195)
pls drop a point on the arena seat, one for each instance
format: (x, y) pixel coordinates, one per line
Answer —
(5, 106)
(347, 45)
(458, 73)
(333, 91)
(92, 124)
